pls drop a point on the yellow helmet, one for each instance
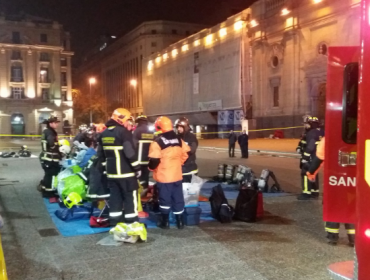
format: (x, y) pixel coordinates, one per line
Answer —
(64, 142)
(72, 199)
(121, 115)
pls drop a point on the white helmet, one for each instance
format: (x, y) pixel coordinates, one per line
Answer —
(65, 149)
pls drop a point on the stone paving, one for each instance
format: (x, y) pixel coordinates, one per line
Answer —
(289, 243)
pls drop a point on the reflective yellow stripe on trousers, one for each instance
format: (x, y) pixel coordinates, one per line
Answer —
(191, 172)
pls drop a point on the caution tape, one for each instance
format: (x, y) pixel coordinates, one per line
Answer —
(220, 132)
(253, 130)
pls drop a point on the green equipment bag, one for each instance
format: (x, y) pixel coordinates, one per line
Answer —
(75, 184)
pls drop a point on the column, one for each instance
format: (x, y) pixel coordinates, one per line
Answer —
(55, 75)
(4, 73)
(30, 74)
(69, 79)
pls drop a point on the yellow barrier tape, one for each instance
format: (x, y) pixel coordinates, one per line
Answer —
(3, 274)
(253, 130)
(220, 132)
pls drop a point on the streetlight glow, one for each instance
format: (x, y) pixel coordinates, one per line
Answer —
(317, 1)
(238, 25)
(253, 23)
(223, 32)
(133, 82)
(285, 12)
(92, 80)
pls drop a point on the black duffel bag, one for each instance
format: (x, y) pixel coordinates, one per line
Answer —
(221, 210)
(246, 205)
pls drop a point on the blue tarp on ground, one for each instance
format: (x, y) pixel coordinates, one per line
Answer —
(71, 228)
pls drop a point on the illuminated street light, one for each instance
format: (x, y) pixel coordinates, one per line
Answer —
(133, 82)
(209, 39)
(92, 81)
(185, 48)
(317, 1)
(253, 23)
(285, 12)
(196, 43)
(238, 25)
(174, 53)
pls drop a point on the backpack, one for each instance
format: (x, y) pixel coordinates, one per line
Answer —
(221, 210)
(246, 205)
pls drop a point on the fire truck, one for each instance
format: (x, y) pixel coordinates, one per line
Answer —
(347, 151)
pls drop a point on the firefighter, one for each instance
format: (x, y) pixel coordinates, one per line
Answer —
(116, 149)
(142, 140)
(243, 143)
(184, 131)
(167, 153)
(50, 156)
(310, 190)
(81, 136)
(332, 228)
(303, 143)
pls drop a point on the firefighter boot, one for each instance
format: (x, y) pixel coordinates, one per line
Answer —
(332, 238)
(164, 222)
(304, 196)
(180, 221)
(351, 240)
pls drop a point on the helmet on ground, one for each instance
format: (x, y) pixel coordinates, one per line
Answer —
(64, 142)
(83, 127)
(141, 118)
(24, 147)
(65, 149)
(72, 199)
(184, 122)
(121, 115)
(163, 124)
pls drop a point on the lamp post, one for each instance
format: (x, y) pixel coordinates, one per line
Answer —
(92, 81)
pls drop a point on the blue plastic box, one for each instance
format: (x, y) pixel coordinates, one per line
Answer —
(192, 216)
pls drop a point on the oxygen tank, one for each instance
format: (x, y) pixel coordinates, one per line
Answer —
(262, 182)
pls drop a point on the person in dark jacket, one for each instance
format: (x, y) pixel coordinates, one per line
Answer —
(243, 140)
(232, 140)
(50, 156)
(142, 140)
(190, 166)
(116, 149)
(310, 190)
(81, 136)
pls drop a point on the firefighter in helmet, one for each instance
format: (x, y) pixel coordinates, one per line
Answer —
(50, 156)
(116, 149)
(332, 228)
(81, 136)
(184, 131)
(310, 190)
(167, 153)
(142, 140)
(303, 142)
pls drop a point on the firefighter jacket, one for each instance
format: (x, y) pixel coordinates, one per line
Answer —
(80, 137)
(302, 144)
(313, 138)
(142, 140)
(190, 165)
(50, 146)
(116, 149)
(319, 158)
(166, 156)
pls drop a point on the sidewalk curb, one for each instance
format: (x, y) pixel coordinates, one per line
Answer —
(254, 152)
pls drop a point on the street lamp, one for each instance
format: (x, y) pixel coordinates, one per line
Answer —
(92, 81)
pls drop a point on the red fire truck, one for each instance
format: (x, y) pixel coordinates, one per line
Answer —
(347, 151)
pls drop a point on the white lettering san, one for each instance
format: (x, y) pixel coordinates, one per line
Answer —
(342, 181)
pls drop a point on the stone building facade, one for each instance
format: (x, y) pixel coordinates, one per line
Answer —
(35, 74)
(279, 75)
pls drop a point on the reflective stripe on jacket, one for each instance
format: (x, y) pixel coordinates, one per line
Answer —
(116, 148)
(50, 145)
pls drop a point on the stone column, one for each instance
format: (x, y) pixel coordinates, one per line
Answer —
(4, 74)
(56, 75)
(30, 74)
(69, 79)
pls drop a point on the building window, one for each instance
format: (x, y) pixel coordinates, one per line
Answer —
(17, 92)
(45, 94)
(16, 55)
(154, 44)
(16, 74)
(44, 75)
(16, 38)
(187, 33)
(322, 49)
(44, 57)
(43, 38)
(64, 79)
(64, 95)
(276, 96)
(63, 61)
(274, 61)
(174, 31)
(154, 31)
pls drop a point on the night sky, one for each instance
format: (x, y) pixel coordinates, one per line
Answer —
(86, 20)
